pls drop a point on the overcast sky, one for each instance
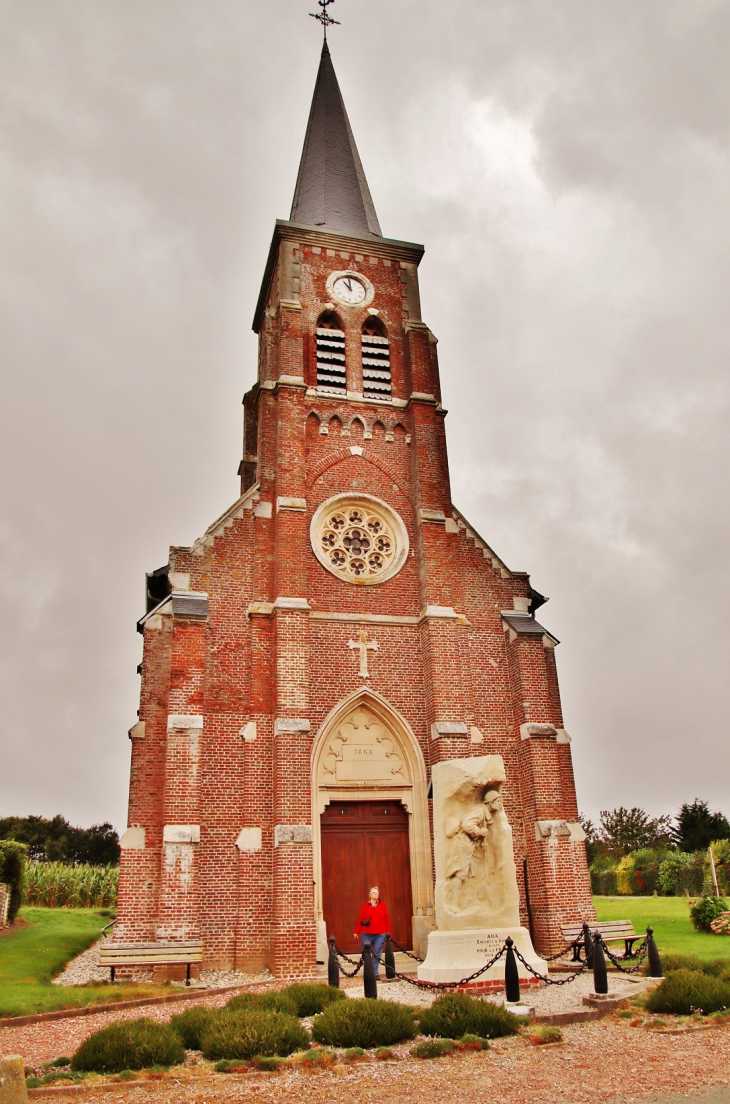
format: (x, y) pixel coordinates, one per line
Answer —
(566, 165)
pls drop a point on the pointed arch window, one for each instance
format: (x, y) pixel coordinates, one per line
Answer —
(331, 373)
(376, 379)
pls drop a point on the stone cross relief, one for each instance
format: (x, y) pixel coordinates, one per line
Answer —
(364, 646)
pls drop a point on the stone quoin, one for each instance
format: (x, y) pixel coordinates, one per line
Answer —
(338, 632)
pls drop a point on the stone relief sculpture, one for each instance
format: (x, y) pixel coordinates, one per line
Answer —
(476, 879)
(362, 750)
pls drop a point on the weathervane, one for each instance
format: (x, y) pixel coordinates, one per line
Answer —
(324, 16)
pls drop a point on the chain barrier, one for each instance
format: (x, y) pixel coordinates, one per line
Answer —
(642, 953)
(544, 977)
(349, 973)
(430, 984)
(404, 951)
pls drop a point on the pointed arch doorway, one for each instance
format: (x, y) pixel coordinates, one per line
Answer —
(371, 823)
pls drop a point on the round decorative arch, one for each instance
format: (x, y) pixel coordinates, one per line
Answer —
(366, 750)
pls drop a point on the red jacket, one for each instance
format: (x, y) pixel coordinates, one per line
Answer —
(378, 917)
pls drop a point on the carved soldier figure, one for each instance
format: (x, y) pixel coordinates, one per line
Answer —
(469, 838)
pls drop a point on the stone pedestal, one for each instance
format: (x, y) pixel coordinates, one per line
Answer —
(453, 955)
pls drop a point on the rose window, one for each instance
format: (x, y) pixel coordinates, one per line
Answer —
(357, 542)
(359, 539)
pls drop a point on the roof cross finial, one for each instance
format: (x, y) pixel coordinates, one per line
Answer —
(324, 16)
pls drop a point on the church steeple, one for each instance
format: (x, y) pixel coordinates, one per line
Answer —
(331, 189)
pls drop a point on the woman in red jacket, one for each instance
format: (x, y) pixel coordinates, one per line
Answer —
(373, 925)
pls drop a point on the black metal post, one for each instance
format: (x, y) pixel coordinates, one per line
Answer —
(511, 976)
(333, 966)
(368, 973)
(655, 963)
(600, 977)
(588, 946)
(389, 959)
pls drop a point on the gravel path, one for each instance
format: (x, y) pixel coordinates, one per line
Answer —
(600, 1063)
(85, 968)
(546, 1000)
(42, 1042)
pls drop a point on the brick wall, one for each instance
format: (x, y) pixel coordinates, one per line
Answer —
(274, 645)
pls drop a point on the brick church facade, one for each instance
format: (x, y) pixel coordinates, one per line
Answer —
(337, 632)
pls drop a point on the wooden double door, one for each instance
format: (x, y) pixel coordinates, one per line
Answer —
(365, 843)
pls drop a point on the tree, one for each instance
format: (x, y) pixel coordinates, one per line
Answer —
(593, 843)
(697, 827)
(624, 830)
(56, 840)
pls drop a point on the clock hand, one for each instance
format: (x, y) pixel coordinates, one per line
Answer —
(348, 284)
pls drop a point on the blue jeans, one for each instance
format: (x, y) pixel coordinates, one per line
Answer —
(376, 942)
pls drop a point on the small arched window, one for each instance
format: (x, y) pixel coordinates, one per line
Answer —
(376, 381)
(331, 374)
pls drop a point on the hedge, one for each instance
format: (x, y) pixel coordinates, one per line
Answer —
(129, 1045)
(12, 865)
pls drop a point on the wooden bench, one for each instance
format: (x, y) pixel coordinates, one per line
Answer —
(150, 954)
(612, 931)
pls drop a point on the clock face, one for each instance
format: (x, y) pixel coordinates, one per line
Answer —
(349, 290)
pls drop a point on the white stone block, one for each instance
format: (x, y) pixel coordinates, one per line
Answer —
(249, 839)
(448, 728)
(248, 732)
(453, 955)
(184, 720)
(263, 510)
(291, 724)
(181, 833)
(292, 833)
(133, 839)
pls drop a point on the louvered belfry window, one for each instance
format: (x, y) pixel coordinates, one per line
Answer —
(376, 382)
(331, 374)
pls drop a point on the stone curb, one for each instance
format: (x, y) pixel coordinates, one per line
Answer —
(77, 1090)
(120, 1006)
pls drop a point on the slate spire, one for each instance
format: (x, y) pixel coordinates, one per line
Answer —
(331, 189)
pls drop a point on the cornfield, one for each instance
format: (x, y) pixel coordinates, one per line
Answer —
(58, 885)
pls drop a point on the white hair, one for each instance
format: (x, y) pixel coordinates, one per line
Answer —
(374, 889)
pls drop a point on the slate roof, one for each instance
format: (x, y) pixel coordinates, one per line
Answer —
(525, 625)
(331, 189)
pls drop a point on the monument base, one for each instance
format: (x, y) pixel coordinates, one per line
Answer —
(453, 955)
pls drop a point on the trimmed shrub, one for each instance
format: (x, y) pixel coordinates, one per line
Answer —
(706, 909)
(253, 1032)
(473, 1042)
(688, 991)
(604, 883)
(227, 1066)
(191, 1024)
(364, 1023)
(129, 1044)
(354, 1054)
(384, 1054)
(317, 1058)
(457, 1014)
(433, 1048)
(539, 1036)
(673, 962)
(310, 998)
(13, 858)
(269, 1063)
(278, 1001)
(682, 871)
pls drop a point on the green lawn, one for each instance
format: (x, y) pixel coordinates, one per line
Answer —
(669, 917)
(30, 957)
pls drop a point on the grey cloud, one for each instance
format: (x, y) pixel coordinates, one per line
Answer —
(566, 166)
